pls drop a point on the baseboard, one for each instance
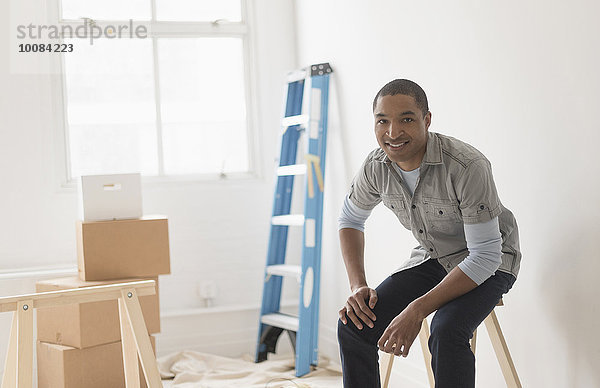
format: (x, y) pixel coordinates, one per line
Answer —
(229, 331)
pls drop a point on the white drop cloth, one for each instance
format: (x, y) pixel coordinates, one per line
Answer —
(200, 370)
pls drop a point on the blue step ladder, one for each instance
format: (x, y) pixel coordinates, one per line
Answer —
(302, 329)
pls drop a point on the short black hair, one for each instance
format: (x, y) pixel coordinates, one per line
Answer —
(407, 88)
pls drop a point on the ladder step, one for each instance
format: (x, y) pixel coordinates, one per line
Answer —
(292, 169)
(284, 321)
(285, 270)
(288, 219)
(297, 75)
(294, 120)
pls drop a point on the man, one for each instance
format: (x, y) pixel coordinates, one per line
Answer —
(442, 190)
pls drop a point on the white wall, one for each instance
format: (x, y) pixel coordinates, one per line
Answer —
(218, 230)
(520, 81)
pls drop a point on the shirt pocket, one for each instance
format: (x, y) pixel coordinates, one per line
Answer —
(443, 216)
(395, 202)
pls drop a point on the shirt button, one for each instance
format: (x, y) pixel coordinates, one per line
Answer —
(430, 249)
(420, 230)
(482, 207)
(413, 207)
(441, 212)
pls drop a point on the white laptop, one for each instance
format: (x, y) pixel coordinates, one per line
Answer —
(110, 197)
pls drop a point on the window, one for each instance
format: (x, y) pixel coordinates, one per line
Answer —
(173, 103)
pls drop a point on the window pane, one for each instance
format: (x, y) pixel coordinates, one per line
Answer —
(199, 10)
(107, 9)
(111, 109)
(203, 105)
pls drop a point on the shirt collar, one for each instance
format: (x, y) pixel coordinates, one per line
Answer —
(433, 153)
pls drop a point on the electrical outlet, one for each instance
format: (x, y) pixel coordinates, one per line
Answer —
(208, 291)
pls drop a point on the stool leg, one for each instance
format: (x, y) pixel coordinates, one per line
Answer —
(9, 378)
(25, 343)
(140, 336)
(474, 341)
(501, 349)
(385, 367)
(387, 359)
(424, 339)
(130, 356)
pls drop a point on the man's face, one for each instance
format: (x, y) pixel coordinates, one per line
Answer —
(401, 130)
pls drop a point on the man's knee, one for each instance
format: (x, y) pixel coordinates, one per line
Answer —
(446, 329)
(343, 332)
(350, 334)
(340, 329)
(346, 331)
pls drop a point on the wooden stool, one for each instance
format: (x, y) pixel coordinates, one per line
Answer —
(18, 369)
(498, 343)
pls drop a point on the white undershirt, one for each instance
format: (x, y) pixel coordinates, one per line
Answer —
(409, 177)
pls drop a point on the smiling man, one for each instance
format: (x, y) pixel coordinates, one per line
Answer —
(442, 190)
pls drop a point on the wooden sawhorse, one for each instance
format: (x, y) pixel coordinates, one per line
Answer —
(498, 343)
(18, 369)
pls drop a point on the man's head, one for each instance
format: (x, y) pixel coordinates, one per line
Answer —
(402, 119)
(406, 87)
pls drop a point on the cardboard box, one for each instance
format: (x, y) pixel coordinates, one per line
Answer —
(100, 366)
(88, 324)
(123, 249)
(110, 197)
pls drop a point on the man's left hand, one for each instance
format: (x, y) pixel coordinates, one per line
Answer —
(401, 332)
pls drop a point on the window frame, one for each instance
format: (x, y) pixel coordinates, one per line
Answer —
(163, 29)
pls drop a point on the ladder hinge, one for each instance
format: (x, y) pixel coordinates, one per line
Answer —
(320, 69)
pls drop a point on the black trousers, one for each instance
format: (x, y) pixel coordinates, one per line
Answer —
(451, 329)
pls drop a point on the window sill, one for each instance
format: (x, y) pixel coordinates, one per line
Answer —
(232, 179)
(38, 272)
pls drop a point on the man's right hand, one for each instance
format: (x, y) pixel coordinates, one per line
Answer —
(356, 307)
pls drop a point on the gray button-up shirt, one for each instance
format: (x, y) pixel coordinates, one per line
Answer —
(455, 187)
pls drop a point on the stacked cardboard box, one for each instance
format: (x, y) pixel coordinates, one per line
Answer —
(99, 366)
(123, 248)
(80, 345)
(88, 324)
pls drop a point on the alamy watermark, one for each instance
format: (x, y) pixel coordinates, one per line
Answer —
(88, 30)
